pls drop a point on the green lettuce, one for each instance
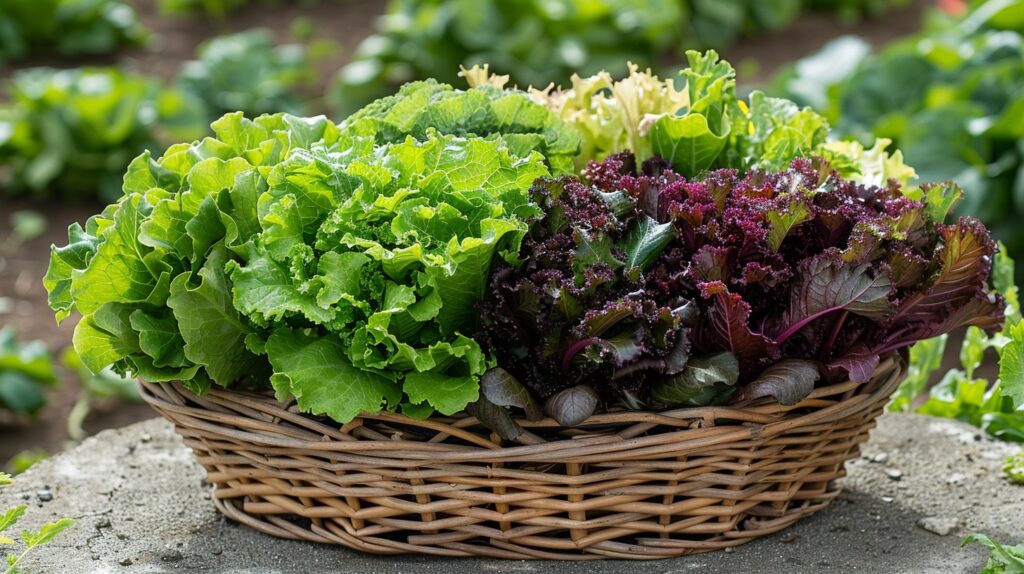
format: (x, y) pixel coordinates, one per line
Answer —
(401, 244)
(485, 109)
(701, 126)
(339, 266)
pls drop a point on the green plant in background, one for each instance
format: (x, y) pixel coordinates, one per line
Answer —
(951, 98)
(538, 42)
(105, 384)
(849, 11)
(247, 72)
(997, 408)
(24, 460)
(72, 132)
(1002, 559)
(925, 359)
(66, 27)
(26, 225)
(215, 8)
(716, 23)
(30, 540)
(719, 23)
(26, 369)
(978, 401)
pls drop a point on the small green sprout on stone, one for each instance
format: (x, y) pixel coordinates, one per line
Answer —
(1003, 559)
(1014, 468)
(29, 539)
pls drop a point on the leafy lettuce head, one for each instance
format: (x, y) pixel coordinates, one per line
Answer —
(341, 268)
(651, 290)
(386, 289)
(483, 110)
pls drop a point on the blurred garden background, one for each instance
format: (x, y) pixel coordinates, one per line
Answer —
(87, 85)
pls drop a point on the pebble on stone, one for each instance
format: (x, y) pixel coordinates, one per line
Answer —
(941, 525)
(172, 556)
(44, 496)
(956, 478)
(893, 473)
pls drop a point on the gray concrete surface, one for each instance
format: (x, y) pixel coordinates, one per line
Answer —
(143, 506)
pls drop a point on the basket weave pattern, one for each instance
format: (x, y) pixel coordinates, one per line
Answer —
(632, 485)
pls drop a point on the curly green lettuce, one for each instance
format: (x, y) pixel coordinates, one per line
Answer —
(485, 109)
(392, 275)
(290, 253)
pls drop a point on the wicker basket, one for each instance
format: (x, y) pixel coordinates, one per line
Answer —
(633, 485)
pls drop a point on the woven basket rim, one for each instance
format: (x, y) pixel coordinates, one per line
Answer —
(759, 419)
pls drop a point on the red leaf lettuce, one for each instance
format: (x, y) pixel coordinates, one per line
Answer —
(785, 277)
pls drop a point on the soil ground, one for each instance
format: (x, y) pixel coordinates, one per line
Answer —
(347, 23)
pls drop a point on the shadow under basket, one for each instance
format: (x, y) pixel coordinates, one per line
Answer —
(628, 485)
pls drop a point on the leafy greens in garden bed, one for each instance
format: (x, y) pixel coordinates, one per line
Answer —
(73, 132)
(539, 42)
(66, 27)
(246, 72)
(347, 266)
(26, 370)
